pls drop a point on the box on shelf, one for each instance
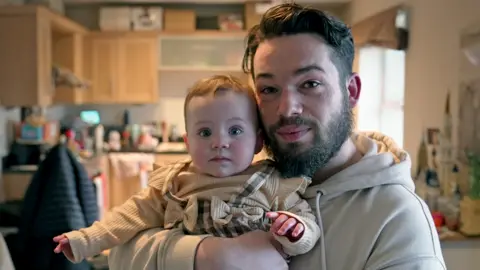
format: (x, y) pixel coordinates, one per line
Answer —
(146, 18)
(114, 19)
(179, 20)
(55, 5)
(228, 22)
(48, 132)
(11, 2)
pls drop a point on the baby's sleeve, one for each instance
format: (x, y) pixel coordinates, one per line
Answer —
(295, 206)
(142, 211)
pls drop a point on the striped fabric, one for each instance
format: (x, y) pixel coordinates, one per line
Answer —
(244, 214)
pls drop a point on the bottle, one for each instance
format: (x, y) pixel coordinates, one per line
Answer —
(99, 134)
(174, 134)
(126, 139)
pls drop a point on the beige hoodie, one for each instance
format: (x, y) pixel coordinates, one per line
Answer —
(369, 216)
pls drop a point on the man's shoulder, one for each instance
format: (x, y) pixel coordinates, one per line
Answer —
(405, 222)
(396, 197)
(399, 206)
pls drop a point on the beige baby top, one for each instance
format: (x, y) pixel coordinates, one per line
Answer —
(178, 195)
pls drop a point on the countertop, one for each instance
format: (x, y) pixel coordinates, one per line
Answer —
(30, 169)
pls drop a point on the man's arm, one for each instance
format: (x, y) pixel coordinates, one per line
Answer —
(155, 249)
(408, 241)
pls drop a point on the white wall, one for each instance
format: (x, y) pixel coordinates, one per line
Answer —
(432, 59)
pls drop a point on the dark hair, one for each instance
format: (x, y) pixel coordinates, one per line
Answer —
(291, 19)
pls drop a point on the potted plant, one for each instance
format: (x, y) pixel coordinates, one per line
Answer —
(470, 204)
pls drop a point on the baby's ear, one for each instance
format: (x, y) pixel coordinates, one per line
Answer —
(259, 143)
(185, 139)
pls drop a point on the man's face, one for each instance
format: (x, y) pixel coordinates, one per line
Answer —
(305, 106)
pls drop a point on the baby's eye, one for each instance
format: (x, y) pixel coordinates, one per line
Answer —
(235, 131)
(268, 90)
(204, 132)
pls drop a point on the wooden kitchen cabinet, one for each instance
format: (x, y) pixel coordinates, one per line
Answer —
(28, 49)
(67, 51)
(122, 67)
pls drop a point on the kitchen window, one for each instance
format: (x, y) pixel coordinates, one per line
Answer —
(380, 107)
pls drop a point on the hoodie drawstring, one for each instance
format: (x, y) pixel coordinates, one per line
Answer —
(323, 257)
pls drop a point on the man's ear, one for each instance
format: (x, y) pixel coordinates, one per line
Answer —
(259, 143)
(354, 87)
(185, 139)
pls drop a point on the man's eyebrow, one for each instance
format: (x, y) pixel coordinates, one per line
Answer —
(309, 68)
(297, 72)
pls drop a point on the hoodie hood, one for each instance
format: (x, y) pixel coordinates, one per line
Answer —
(354, 207)
(383, 163)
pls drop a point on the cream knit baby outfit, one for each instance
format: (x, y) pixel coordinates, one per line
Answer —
(178, 195)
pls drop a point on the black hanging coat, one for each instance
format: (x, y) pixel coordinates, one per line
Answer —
(60, 198)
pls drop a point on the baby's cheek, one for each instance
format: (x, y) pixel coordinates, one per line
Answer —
(243, 147)
(198, 157)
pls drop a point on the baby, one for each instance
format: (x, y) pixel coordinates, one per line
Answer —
(218, 191)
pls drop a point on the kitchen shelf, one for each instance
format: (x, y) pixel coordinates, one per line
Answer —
(201, 53)
(32, 39)
(58, 23)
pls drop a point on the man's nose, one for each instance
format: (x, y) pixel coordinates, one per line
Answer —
(290, 104)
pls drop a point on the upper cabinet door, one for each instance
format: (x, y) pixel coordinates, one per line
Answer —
(101, 67)
(202, 51)
(122, 68)
(25, 65)
(138, 76)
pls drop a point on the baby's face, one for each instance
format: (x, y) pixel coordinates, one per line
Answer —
(222, 133)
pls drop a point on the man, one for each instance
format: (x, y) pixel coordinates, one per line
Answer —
(370, 218)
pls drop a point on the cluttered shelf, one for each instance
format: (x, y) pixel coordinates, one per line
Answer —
(453, 236)
(448, 179)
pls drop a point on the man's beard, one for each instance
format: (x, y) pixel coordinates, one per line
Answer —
(292, 161)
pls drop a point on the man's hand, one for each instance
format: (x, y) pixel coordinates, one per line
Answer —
(254, 250)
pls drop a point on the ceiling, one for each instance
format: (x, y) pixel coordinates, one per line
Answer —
(206, 1)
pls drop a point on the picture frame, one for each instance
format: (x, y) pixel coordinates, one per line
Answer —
(433, 136)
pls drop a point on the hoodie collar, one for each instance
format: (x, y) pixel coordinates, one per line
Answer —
(383, 162)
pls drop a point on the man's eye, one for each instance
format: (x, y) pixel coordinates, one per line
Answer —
(204, 133)
(310, 84)
(235, 131)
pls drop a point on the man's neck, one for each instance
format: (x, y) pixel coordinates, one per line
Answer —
(347, 156)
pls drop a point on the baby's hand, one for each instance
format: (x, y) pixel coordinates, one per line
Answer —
(285, 225)
(63, 246)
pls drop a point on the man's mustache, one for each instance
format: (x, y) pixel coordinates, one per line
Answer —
(288, 121)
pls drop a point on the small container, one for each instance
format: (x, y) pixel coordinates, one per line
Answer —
(438, 219)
